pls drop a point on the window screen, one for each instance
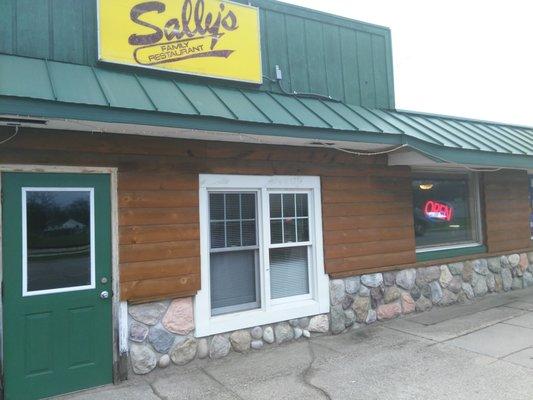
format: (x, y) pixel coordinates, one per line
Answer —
(444, 210)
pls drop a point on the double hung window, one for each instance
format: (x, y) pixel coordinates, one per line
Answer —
(262, 256)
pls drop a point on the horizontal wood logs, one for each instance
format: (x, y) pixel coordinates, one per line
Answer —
(366, 205)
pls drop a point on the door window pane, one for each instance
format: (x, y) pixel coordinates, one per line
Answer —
(58, 239)
(289, 274)
(443, 211)
(233, 281)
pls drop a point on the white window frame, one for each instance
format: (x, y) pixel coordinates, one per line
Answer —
(92, 285)
(270, 311)
(473, 179)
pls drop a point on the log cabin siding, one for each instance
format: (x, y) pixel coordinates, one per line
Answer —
(366, 207)
(507, 210)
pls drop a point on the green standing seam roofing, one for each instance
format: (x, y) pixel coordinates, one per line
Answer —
(110, 95)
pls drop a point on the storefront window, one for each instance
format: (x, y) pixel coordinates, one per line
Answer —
(445, 210)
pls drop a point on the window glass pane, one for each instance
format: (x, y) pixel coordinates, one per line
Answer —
(233, 208)
(275, 206)
(442, 211)
(248, 233)
(216, 206)
(288, 205)
(276, 235)
(248, 206)
(531, 205)
(217, 235)
(233, 221)
(233, 234)
(58, 236)
(289, 228)
(301, 205)
(303, 229)
(288, 272)
(233, 281)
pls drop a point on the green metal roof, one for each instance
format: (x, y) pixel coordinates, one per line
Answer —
(64, 90)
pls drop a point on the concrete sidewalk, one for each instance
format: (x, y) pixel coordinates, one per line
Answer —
(482, 350)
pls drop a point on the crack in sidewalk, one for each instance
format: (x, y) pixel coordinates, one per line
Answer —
(156, 392)
(305, 375)
(210, 376)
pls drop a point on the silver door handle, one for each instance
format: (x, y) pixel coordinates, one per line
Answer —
(104, 295)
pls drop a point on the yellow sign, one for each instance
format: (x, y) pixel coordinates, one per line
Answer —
(213, 38)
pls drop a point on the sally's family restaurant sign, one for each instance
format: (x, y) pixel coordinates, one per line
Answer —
(214, 38)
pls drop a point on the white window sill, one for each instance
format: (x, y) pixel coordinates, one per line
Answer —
(251, 318)
(450, 247)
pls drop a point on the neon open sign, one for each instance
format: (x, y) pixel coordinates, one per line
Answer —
(436, 210)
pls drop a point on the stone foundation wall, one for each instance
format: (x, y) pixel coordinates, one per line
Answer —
(162, 333)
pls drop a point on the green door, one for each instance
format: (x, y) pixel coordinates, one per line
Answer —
(56, 266)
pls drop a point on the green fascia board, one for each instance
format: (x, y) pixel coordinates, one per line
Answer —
(450, 253)
(53, 109)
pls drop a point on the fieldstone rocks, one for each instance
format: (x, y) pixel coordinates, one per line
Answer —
(523, 263)
(408, 304)
(164, 361)
(161, 339)
(528, 279)
(392, 294)
(337, 319)
(179, 317)
(507, 279)
(479, 285)
(294, 322)
(494, 265)
(284, 332)
(143, 359)
(504, 262)
(149, 313)
(306, 333)
(517, 283)
(388, 311)
(240, 340)
(456, 268)
(468, 291)
(445, 276)
(415, 293)
(514, 260)
(448, 297)
(406, 278)
(184, 351)
(219, 347)
(349, 317)
(424, 276)
(336, 291)
(423, 304)
(257, 344)
(352, 284)
(319, 323)
(436, 292)
(364, 291)
(480, 266)
(389, 278)
(298, 332)
(491, 282)
(138, 332)
(371, 317)
(498, 283)
(256, 332)
(468, 271)
(361, 305)
(455, 284)
(376, 294)
(303, 322)
(372, 280)
(268, 335)
(202, 350)
(347, 302)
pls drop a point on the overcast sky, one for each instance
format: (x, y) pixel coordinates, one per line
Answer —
(466, 58)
